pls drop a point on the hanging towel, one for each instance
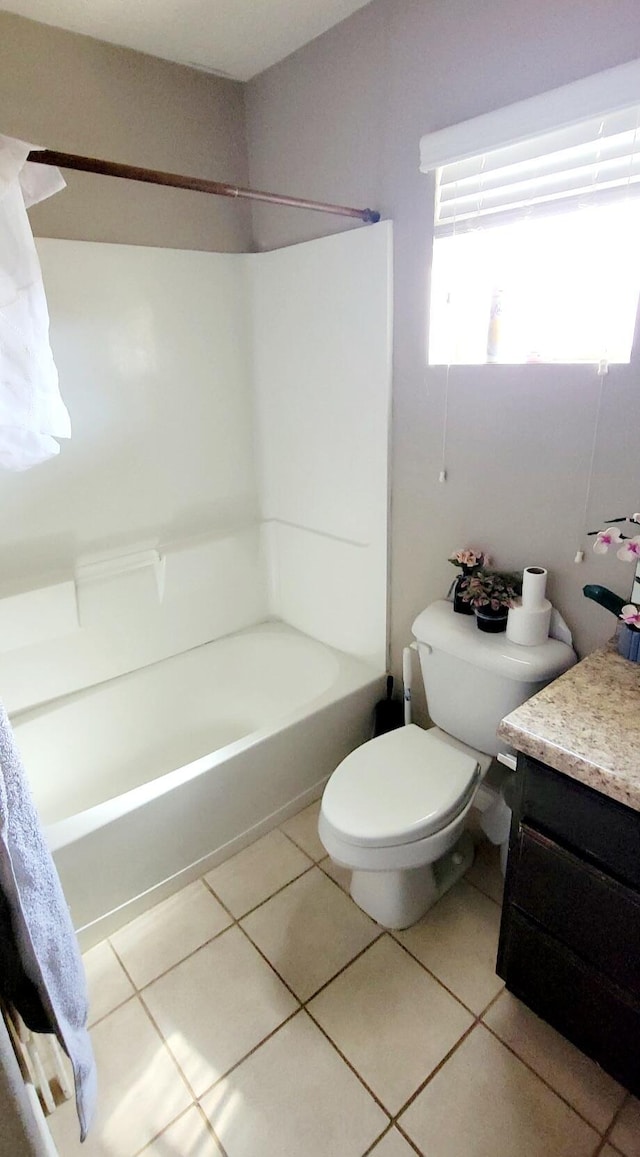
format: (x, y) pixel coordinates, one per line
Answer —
(32, 413)
(41, 972)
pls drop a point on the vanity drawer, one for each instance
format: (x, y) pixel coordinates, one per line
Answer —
(591, 1012)
(592, 914)
(600, 828)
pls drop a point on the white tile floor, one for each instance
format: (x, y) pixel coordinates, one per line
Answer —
(260, 1013)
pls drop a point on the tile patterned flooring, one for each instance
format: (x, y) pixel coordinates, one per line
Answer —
(260, 1013)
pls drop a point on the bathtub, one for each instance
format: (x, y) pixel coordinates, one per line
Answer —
(150, 779)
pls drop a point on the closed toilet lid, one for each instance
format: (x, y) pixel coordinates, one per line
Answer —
(398, 788)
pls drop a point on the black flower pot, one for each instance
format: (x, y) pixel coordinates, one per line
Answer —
(493, 622)
(459, 605)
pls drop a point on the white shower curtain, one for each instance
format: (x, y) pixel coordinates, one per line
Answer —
(32, 413)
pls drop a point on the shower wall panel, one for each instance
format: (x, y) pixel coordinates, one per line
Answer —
(322, 380)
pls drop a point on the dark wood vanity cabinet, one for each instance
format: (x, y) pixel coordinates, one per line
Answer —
(570, 933)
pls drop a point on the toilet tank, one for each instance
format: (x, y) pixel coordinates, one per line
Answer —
(473, 679)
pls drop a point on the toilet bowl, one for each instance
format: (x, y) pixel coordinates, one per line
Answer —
(394, 813)
(394, 810)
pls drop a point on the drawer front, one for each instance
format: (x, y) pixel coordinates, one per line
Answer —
(601, 828)
(580, 1004)
(592, 914)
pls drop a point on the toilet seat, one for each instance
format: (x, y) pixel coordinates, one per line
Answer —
(398, 788)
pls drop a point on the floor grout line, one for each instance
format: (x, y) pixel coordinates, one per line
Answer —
(245, 1057)
(261, 903)
(607, 1133)
(143, 987)
(211, 1129)
(482, 892)
(393, 1127)
(116, 1008)
(303, 1002)
(166, 1045)
(405, 1136)
(344, 967)
(494, 1000)
(295, 842)
(544, 1080)
(442, 984)
(377, 1141)
(434, 1071)
(271, 966)
(124, 969)
(156, 1136)
(197, 1097)
(349, 1065)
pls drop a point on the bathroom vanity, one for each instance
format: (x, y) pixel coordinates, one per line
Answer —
(570, 933)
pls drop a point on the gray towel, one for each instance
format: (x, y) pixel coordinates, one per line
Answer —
(41, 971)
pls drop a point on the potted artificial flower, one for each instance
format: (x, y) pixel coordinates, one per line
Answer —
(628, 550)
(470, 561)
(491, 594)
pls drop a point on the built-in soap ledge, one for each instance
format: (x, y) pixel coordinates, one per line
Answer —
(52, 612)
(115, 564)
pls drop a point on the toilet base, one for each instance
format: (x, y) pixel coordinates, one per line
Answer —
(397, 899)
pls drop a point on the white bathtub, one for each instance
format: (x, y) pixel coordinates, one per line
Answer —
(150, 779)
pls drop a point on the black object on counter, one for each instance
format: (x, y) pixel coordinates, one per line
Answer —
(605, 597)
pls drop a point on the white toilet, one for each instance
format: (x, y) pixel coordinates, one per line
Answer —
(394, 810)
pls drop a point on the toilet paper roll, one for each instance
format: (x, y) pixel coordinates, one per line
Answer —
(529, 627)
(534, 585)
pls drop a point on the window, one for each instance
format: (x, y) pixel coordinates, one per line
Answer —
(536, 252)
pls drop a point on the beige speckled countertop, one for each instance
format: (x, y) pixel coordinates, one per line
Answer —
(586, 724)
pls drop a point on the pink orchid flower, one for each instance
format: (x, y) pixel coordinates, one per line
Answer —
(630, 550)
(631, 616)
(607, 538)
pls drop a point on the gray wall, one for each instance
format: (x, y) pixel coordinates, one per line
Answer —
(341, 120)
(78, 95)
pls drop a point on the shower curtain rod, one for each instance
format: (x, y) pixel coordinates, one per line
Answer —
(178, 181)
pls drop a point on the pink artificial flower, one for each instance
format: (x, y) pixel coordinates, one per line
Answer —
(631, 616)
(630, 550)
(607, 538)
(468, 557)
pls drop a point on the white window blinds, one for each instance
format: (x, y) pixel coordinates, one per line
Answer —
(582, 164)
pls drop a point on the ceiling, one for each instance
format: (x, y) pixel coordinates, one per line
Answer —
(237, 38)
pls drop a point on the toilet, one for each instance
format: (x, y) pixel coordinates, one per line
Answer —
(394, 810)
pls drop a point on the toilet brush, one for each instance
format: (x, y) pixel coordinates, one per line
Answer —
(388, 713)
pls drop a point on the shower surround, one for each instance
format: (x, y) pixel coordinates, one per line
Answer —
(198, 583)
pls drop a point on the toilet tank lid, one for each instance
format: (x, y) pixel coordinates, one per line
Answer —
(444, 630)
